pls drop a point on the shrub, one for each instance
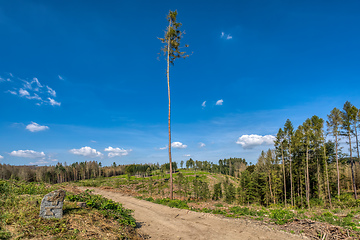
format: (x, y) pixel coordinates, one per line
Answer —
(243, 211)
(108, 207)
(281, 216)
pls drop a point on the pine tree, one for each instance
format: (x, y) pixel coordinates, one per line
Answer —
(307, 134)
(348, 116)
(334, 123)
(289, 132)
(171, 50)
(279, 142)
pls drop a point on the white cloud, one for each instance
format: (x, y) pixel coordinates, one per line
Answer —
(186, 155)
(178, 145)
(1, 157)
(61, 78)
(117, 152)
(32, 90)
(250, 141)
(27, 154)
(34, 127)
(12, 92)
(219, 102)
(23, 92)
(28, 85)
(34, 97)
(51, 91)
(201, 144)
(87, 152)
(53, 102)
(163, 148)
(203, 104)
(225, 36)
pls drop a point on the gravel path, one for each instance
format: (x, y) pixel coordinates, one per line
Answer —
(161, 222)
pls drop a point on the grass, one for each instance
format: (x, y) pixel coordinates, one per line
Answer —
(107, 207)
(168, 202)
(19, 215)
(157, 188)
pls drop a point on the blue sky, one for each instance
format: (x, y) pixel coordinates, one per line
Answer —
(81, 80)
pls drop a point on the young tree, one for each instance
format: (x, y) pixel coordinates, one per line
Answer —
(334, 123)
(172, 52)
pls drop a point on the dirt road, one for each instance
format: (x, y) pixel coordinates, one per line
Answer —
(161, 222)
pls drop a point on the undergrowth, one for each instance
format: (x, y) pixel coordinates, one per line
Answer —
(20, 207)
(107, 207)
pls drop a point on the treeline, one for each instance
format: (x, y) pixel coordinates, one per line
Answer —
(231, 166)
(60, 172)
(77, 171)
(305, 169)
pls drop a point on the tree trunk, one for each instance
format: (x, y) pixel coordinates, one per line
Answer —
(282, 157)
(271, 193)
(352, 167)
(168, 83)
(318, 177)
(307, 178)
(357, 147)
(337, 165)
(301, 187)
(291, 178)
(327, 177)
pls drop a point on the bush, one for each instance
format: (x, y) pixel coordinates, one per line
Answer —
(108, 207)
(347, 201)
(243, 211)
(281, 216)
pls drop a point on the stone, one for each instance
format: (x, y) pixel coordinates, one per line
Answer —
(52, 204)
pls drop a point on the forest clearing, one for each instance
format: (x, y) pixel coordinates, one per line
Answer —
(198, 215)
(116, 123)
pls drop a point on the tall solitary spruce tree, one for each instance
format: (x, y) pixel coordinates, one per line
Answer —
(172, 51)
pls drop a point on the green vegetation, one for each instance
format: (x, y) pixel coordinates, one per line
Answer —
(107, 207)
(304, 171)
(230, 203)
(19, 215)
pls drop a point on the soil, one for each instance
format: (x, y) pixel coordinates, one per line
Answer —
(161, 222)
